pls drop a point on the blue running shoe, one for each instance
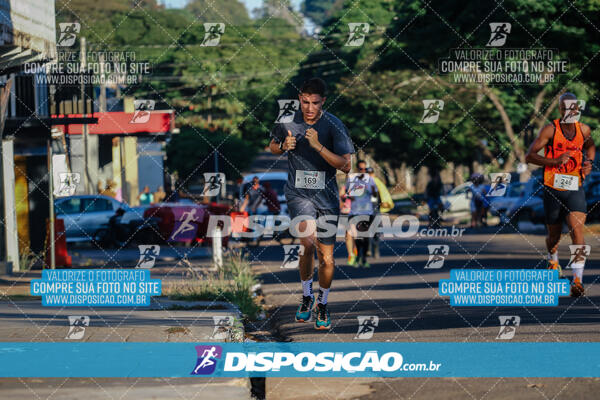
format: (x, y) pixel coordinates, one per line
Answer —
(323, 321)
(304, 313)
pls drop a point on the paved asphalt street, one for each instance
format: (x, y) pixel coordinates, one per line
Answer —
(403, 295)
(397, 289)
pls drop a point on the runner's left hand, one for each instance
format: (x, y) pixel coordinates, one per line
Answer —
(313, 139)
(586, 168)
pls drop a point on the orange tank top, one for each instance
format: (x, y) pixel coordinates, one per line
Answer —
(559, 145)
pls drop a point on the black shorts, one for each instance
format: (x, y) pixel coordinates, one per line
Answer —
(559, 203)
(363, 225)
(300, 206)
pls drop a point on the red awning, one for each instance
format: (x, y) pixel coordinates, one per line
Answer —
(122, 123)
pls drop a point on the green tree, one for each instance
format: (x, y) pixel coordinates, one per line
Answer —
(192, 152)
(319, 11)
(378, 88)
(226, 11)
(229, 88)
(508, 110)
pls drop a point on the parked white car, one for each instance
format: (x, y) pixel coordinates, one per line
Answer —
(85, 214)
(277, 181)
(458, 199)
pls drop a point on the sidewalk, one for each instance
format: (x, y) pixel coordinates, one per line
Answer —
(28, 321)
(164, 269)
(124, 388)
(128, 257)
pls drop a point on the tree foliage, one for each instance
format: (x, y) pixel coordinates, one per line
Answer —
(319, 11)
(226, 11)
(227, 88)
(377, 88)
(380, 90)
(192, 152)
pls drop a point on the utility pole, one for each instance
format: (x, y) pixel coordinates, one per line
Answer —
(102, 105)
(218, 197)
(83, 69)
(209, 104)
(51, 197)
(124, 185)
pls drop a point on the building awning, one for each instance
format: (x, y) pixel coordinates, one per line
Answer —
(28, 33)
(12, 58)
(123, 123)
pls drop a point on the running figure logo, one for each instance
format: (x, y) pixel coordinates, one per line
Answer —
(77, 325)
(431, 112)
(148, 255)
(366, 326)
(222, 328)
(437, 255)
(291, 256)
(500, 181)
(212, 35)
(579, 253)
(214, 183)
(142, 109)
(68, 33)
(207, 359)
(508, 326)
(68, 184)
(358, 33)
(287, 108)
(186, 223)
(500, 31)
(573, 109)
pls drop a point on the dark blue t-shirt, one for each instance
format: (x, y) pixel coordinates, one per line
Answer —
(333, 135)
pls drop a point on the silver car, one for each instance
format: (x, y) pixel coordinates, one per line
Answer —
(85, 214)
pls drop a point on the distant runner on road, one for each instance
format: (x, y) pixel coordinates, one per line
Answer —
(253, 197)
(317, 144)
(564, 145)
(360, 188)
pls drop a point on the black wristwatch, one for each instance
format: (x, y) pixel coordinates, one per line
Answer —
(281, 146)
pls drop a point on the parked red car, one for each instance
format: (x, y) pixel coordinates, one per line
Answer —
(185, 222)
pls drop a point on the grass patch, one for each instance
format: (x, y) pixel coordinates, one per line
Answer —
(232, 283)
(26, 259)
(595, 228)
(177, 329)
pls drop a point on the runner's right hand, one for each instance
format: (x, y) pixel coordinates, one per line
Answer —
(562, 159)
(290, 142)
(586, 168)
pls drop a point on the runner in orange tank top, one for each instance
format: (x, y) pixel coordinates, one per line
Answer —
(569, 152)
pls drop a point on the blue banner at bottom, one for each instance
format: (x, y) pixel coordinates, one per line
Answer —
(299, 359)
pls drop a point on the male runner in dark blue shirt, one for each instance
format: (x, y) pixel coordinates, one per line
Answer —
(317, 144)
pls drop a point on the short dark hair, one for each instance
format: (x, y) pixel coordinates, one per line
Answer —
(566, 96)
(314, 86)
(361, 161)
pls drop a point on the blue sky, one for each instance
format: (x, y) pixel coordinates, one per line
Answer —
(250, 4)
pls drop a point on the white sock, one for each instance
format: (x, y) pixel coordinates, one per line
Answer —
(307, 289)
(553, 256)
(323, 293)
(578, 270)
